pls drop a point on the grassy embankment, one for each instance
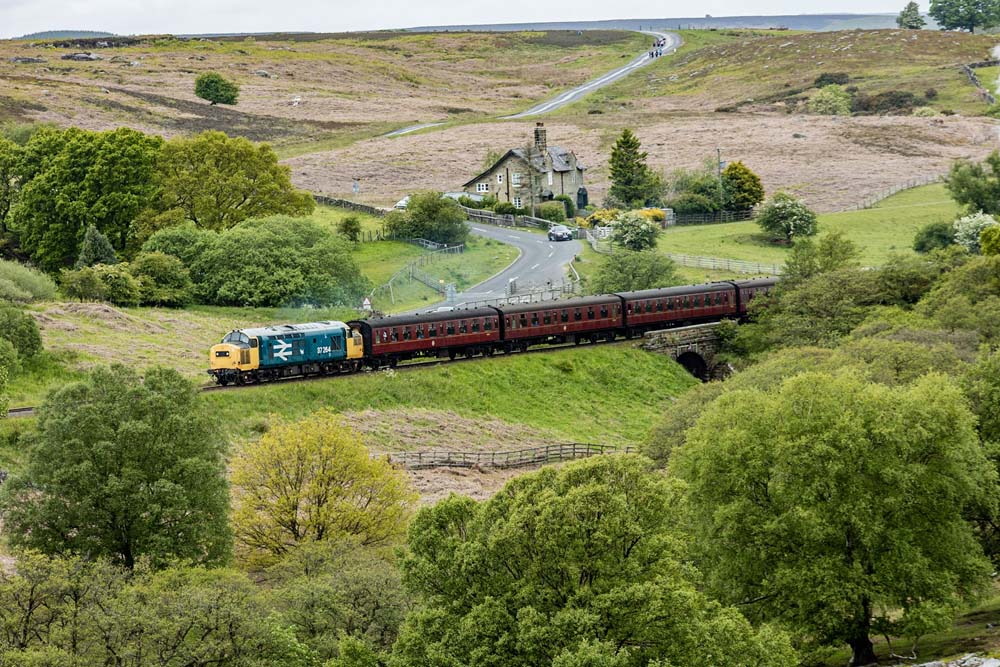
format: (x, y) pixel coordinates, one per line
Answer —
(723, 70)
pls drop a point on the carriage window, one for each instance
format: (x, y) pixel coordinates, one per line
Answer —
(393, 334)
(697, 301)
(604, 312)
(534, 319)
(547, 318)
(451, 328)
(649, 306)
(406, 333)
(628, 309)
(487, 324)
(687, 303)
(509, 325)
(475, 325)
(463, 327)
(432, 331)
(659, 306)
(618, 309)
(577, 315)
(725, 297)
(564, 316)
(420, 332)
(590, 313)
(524, 320)
(718, 298)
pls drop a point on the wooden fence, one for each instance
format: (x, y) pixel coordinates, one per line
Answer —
(723, 264)
(517, 458)
(412, 271)
(888, 192)
(712, 218)
(490, 218)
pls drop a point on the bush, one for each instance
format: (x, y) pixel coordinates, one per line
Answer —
(691, 203)
(10, 362)
(186, 242)
(429, 216)
(831, 78)
(505, 208)
(787, 217)
(653, 214)
(24, 284)
(742, 186)
(925, 112)
(892, 101)
(20, 329)
(602, 217)
(831, 100)
(570, 205)
(120, 287)
(969, 228)
(83, 284)
(163, 280)
(350, 228)
(933, 236)
(931, 93)
(635, 232)
(213, 87)
(989, 240)
(95, 249)
(553, 211)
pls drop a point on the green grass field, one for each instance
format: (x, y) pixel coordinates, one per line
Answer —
(879, 232)
(603, 394)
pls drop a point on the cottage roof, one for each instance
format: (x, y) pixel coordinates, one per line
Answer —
(560, 158)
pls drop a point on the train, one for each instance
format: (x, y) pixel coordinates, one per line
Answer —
(263, 354)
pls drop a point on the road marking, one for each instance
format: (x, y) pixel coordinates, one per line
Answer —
(534, 267)
(513, 236)
(539, 241)
(551, 246)
(551, 253)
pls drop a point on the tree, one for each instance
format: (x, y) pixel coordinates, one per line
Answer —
(21, 330)
(910, 18)
(431, 216)
(553, 211)
(786, 217)
(976, 186)
(10, 183)
(742, 187)
(163, 280)
(74, 179)
(628, 270)
(95, 249)
(217, 182)
(989, 240)
(334, 492)
(632, 181)
(275, 261)
(934, 235)
(831, 100)
(120, 287)
(832, 506)
(808, 258)
(83, 284)
(635, 232)
(965, 14)
(125, 468)
(216, 89)
(350, 228)
(573, 566)
(969, 228)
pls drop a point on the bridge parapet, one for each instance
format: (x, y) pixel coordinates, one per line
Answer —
(694, 347)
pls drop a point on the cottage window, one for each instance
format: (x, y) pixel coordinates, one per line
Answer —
(550, 178)
(515, 179)
(517, 202)
(482, 187)
(499, 178)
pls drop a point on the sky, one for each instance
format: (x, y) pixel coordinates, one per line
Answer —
(19, 17)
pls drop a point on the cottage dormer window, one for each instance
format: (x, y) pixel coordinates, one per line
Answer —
(482, 187)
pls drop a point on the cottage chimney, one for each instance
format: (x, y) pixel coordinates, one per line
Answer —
(540, 142)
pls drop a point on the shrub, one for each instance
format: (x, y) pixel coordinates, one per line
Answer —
(22, 283)
(95, 249)
(925, 112)
(653, 214)
(989, 240)
(186, 242)
(21, 330)
(10, 362)
(213, 87)
(570, 205)
(635, 232)
(931, 93)
(831, 100)
(831, 78)
(83, 284)
(120, 287)
(553, 211)
(691, 202)
(969, 228)
(891, 101)
(163, 280)
(933, 236)
(505, 208)
(430, 216)
(350, 228)
(742, 186)
(602, 217)
(786, 216)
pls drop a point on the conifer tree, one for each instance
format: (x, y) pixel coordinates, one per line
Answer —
(630, 176)
(910, 18)
(743, 187)
(95, 249)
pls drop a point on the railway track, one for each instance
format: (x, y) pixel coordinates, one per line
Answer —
(401, 368)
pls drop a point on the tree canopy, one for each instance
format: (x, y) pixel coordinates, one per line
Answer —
(635, 232)
(431, 216)
(835, 506)
(122, 468)
(633, 183)
(215, 88)
(965, 14)
(909, 18)
(564, 566)
(628, 270)
(334, 492)
(976, 185)
(786, 217)
(742, 188)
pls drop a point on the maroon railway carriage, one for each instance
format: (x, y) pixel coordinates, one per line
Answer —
(449, 333)
(646, 310)
(748, 289)
(589, 318)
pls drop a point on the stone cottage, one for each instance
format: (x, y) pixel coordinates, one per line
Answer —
(528, 176)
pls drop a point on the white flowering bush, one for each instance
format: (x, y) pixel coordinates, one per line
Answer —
(635, 231)
(969, 228)
(786, 217)
(831, 100)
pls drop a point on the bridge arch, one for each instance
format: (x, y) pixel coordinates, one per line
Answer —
(695, 364)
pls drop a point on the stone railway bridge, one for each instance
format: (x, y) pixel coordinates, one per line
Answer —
(695, 348)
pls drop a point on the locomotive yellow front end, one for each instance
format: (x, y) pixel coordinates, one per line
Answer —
(234, 359)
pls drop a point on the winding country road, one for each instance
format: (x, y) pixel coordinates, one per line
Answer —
(673, 42)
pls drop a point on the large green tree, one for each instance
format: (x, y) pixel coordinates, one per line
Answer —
(216, 182)
(430, 216)
(633, 183)
(628, 270)
(786, 217)
(125, 468)
(573, 566)
(910, 18)
(74, 179)
(976, 185)
(835, 506)
(965, 14)
(742, 187)
(10, 182)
